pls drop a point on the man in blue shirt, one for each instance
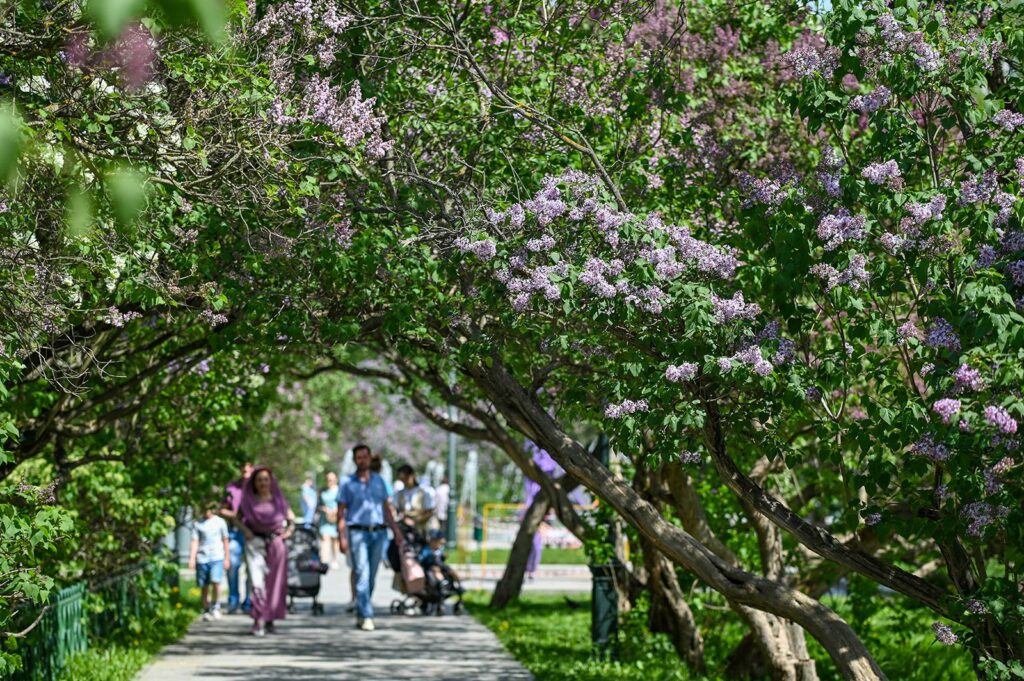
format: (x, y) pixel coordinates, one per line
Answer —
(363, 510)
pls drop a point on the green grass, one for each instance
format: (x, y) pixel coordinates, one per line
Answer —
(552, 640)
(120, 658)
(550, 556)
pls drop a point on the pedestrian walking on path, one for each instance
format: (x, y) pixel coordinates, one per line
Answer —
(363, 510)
(236, 543)
(267, 523)
(209, 557)
(329, 542)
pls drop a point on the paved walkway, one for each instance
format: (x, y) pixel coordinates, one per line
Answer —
(308, 648)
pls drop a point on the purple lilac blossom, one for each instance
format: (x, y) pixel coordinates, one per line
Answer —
(941, 335)
(976, 607)
(854, 276)
(485, 249)
(908, 330)
(880, 173)
(730, 309)
(982, 514)
(946, 408)
(930, 449)
(872, 101)
(968, 378)
(834, 229)
(872, 519)
(944, 634)
(680, 372)
(1008, 120)
(1001, 419)
(812, 394)
(830, 172)
(978, 189)
(625, 408)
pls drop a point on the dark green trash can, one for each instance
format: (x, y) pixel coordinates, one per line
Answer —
(604, 612)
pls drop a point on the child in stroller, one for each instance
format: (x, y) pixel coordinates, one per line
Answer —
(441, 582)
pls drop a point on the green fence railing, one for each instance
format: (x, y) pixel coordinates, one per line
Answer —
(83, 611)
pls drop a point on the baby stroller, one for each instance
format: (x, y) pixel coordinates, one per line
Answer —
(304, 568)
(430, 599)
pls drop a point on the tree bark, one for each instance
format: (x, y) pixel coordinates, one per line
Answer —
(669, 612)
(511, 583)
(523, 412)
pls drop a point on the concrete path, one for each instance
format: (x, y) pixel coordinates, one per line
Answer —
(308, 648)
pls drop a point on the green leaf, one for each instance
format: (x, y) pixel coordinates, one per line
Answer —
(110, 16)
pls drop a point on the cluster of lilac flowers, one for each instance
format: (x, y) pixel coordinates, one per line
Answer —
(835, 229)
(730, 309)
(898, 41)
(625, 408)
(117, 318)
(982, 514)
(594, 276)
(968, 379)
(872, 519)
(830, 172)
(1000, 418)
(485, 249)
(212, 318)
(908, 330)
(531, 281)
(872, 101)
(946, 408)
(883, 173)
(975, 607)
(978, 189)
(352, 117)
(764, 190)
(688, 458)
(993, 484)
(680, 372)
(930, 449)
(855, 275)
(944, 634)
(1008, 120)
(752, 357)
(941, 335)
(810, 55)
(343, 232)
(812, 394)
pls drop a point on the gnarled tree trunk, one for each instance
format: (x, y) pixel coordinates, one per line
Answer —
(523, 412)
(511, 583)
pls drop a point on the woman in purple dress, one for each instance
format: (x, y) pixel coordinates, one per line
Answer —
(267, 522)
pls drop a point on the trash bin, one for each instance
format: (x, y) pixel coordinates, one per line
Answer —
(604, 611)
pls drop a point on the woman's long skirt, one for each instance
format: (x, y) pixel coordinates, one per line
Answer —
(268, 572)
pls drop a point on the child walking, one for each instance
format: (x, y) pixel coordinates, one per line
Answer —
(209, 557)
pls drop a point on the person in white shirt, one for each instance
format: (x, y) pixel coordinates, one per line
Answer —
(441, 498)
(415, 502)
(209, 557)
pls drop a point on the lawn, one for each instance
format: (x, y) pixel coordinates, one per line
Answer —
(550, 556)
(121, 657)
(552, 640)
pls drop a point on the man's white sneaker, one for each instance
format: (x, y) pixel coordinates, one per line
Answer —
(367, 625)
(207, 616)
(217, 613)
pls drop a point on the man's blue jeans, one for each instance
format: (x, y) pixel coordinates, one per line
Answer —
(236, 546)
(367, 551)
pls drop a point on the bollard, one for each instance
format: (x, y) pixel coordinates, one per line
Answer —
(604, 612)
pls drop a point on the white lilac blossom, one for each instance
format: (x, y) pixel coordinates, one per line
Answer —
(1000, 418)
(946, 408)
(940, 335)
(854, 276)
(689, 458)
(731, 309)
(625, 408)
(834, 229)
(680, 372)
(212, 318)
(880, 173)
(118, 319)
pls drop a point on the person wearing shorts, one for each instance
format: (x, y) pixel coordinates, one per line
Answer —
(209, 556)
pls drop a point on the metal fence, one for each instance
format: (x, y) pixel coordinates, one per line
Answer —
(83, 611)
